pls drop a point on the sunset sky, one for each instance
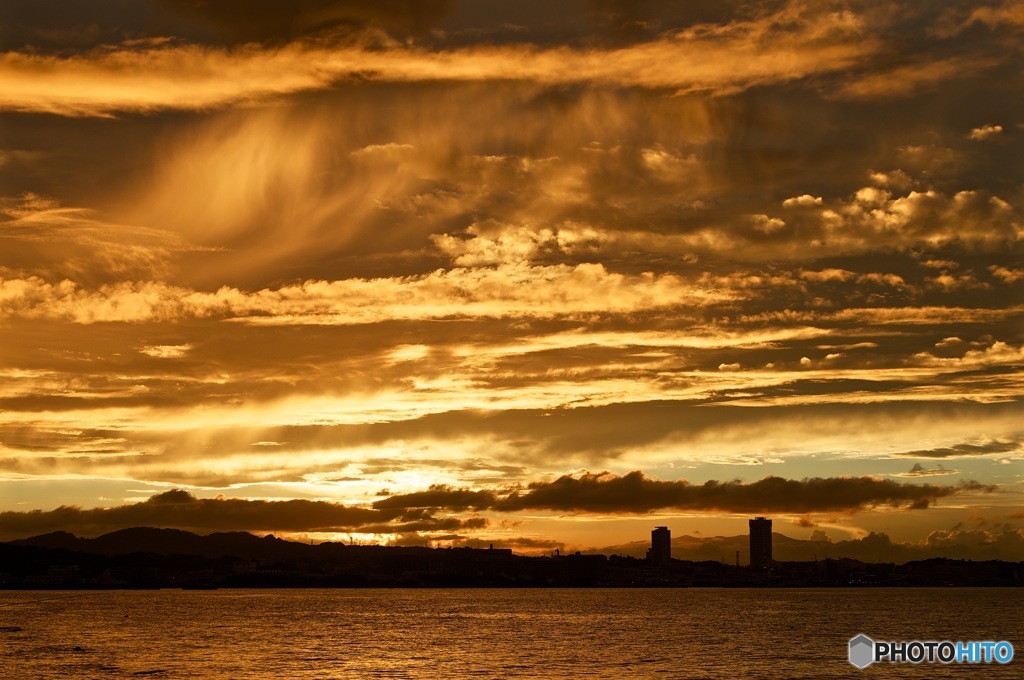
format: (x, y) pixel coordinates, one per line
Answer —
(543, 273)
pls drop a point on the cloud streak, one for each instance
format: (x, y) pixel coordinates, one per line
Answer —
(967, 449)
(561, 290)
(715, 58)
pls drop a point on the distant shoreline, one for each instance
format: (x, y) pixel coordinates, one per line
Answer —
(378, 586)
(148, 558)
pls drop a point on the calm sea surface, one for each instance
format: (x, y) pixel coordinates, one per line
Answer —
(492, 633)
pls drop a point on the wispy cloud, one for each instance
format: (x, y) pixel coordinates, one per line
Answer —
(966, 449)
(919, 470)
(715, 58)
(907, 79)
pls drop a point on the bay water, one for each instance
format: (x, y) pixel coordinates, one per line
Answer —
(494, 633)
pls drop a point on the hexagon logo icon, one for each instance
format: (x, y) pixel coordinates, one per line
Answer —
(862, 651)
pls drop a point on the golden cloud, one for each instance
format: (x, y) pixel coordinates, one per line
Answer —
(715, 58)
(551, 291)
(908, 79)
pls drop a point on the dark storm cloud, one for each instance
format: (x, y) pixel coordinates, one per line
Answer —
(180, 509)
(65, 27)
(636, 493)
(272, 21)
(441, 496)
(633, 17)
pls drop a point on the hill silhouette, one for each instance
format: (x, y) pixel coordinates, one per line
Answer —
(173, 542)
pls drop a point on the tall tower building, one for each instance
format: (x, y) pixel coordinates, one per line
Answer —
(760, 543)
(661, 546)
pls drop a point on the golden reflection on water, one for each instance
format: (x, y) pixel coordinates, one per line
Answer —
(598, 633)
